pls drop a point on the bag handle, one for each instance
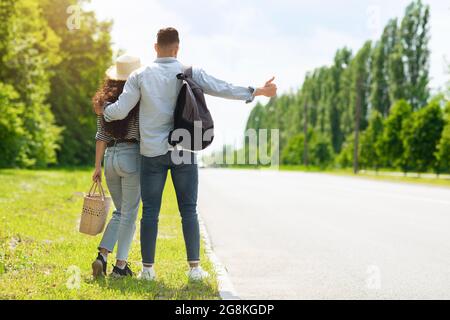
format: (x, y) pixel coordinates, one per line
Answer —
(100, 188)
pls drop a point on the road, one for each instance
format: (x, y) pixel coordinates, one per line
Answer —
(293, 235)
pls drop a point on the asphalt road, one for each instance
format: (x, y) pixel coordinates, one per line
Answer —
(292, 235)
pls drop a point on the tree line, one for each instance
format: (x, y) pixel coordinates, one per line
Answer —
(48, 73)
(369, 109)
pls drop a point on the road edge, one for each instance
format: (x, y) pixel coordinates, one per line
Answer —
(226, 288)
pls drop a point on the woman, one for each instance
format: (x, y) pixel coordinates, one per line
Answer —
(122, 169)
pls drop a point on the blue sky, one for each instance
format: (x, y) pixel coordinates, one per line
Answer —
(246, 42)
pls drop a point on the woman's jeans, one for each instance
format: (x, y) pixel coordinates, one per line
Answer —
(122, 172)
(185, 180)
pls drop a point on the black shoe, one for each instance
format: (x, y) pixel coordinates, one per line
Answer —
(125, 272)
(99, 266)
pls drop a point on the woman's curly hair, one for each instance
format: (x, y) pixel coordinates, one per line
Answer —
(110, 92)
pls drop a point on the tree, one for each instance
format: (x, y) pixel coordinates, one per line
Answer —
(391, 144)
(306, 100)
(334, 87)
(29, 48)
(371, 153)
(292, 154)
(384, 76)
(335, 100)
(321, 150)
(345, 157)
(12, 134)
(360, 84)
(422, 135)
(414, 34)
(86, 55)
(443, 150)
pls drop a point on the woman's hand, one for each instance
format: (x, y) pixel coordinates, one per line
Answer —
(97, 175)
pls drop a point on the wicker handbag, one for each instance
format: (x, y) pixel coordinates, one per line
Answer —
(95, 210)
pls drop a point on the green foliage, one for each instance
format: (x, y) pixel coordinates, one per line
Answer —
(29, 49)
(414, 35)
(385, 77)
(334, 103)
(370, 150)
(55, 72)
(87, 54)
(345, 157)
(396, 68)
(321, 151)
(443, 150)
(388, 81)
(421, 136)
(293, 152)
(391, 143)
(359, 94)
(12, 133)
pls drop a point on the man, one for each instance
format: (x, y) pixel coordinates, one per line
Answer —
(157, 87)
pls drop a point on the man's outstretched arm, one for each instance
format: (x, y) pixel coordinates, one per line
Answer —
(223, 89)
(126, 102)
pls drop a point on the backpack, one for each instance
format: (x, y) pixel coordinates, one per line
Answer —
(192, 116)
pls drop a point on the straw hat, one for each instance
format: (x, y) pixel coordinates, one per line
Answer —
(124, 66)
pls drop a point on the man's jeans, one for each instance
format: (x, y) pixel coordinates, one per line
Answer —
(122, 172)
(185, 180)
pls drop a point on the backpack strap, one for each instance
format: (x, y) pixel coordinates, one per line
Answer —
(187, 73)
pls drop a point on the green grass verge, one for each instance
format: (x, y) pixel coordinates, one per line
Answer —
(384, 175)
(43, 256)
(402, 179)
(371, 175)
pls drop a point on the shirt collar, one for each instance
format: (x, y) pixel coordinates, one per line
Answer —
(165, 60)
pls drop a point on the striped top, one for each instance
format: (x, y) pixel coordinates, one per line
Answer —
(132, 132)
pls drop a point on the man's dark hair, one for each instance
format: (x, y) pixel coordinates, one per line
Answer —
(167, 36)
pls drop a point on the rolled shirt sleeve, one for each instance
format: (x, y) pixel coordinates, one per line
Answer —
(126, 102)
(219, 88)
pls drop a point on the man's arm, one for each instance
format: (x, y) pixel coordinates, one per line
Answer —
(126, 102)
(223, 89)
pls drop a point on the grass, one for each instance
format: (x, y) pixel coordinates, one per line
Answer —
(43, 256)
(403, 179)
(381, 176)
(384, 175)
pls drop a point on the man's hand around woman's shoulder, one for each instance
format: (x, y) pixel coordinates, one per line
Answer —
(99, 110)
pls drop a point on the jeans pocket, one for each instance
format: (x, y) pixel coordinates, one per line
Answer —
(128, 162)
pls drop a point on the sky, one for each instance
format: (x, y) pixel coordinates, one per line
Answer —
(246, 42)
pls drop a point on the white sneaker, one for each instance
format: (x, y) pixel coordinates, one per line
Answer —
(147, 274)
(197, 274)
